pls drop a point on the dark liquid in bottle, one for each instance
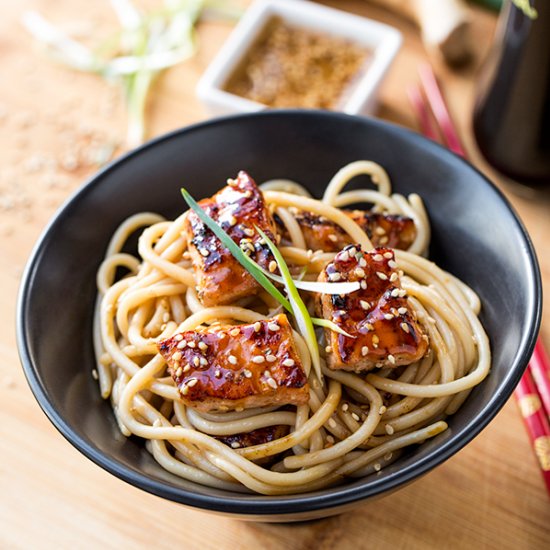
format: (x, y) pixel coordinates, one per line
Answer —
(512, 113)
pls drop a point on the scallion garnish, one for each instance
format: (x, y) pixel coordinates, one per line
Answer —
(299, 309)
(316, 286)
(325, 323)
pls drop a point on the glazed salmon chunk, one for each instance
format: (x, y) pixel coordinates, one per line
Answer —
(254, 437)
(384, 329)
(391, 230)
(222, 368)
(238, 208)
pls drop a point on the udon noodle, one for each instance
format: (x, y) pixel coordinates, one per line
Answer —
(354, 423)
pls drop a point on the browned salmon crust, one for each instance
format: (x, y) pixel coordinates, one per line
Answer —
(391, 230)
(254, 437)
(378, 316)
(238, 208)
(223, 368)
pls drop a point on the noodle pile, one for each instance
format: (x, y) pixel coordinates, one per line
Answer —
(353, 425)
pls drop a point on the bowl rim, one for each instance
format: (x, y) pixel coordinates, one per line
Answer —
(261, 505)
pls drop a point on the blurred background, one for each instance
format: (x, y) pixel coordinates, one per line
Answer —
(59, 125)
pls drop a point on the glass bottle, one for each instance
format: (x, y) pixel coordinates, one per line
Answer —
(512, 113)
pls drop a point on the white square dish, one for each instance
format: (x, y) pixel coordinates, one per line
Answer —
(382, 40)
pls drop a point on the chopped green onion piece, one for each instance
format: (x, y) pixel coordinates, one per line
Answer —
(300, 311)
(235, 250)
(330, 325)
(316, 286)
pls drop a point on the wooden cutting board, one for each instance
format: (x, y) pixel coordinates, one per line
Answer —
(53, 125)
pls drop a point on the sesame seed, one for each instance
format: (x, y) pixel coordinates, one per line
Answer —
(249, 232)
(363, 284)
(235, 332)
(402, 310)
(395, 292)
(258, 359)
(391, 359)
(178, 337)
(377, 466)
(402, 293)
(232, 221)
(335, 277)
(389, 429)
(344, 256)
(382, 409)
(184, 389)
(380, 231)
(267, 374)
(381, 275)
(392, 264)
(360, 272)
(332, 238)
(355, 417)
(375, 341)
(273, 326)
(270, 358)
(182, 344)
(192, 382)
(247, 373)
(364, 304)
(369, 326)
(272, 266)
(231, 181)
(191, 344)
(388, 316)
(364, 351)
(95, 374)
(332, 423)
(248, 194)
(384, 240)
(187, 368)
(271, 382)
(352, 251)
(179, 372)
(257, 326)
(203, 361)
(393, 277)
(388, 255)
(362, 262)
(345, 407)
(204, 252)
(235, 444)
(378, 257)
(176, 356)
(196, 361)
(328, 349)
(218, 373)
(288, 362)
(232, 359)
(203, 346)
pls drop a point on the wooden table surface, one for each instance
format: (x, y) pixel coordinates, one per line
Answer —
(52, 121)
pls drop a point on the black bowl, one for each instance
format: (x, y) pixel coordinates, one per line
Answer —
(476, 236)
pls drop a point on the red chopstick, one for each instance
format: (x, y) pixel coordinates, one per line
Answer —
(439, 108)
(540, 369)
(536, 421)
(534, 387)
(422, 113)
